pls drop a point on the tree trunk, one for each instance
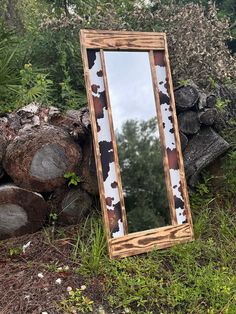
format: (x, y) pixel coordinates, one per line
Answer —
(3, 145)
(38, 159)
(207, 116)
(21, 211)
(201, 150)
(211, 101)
(188, 122)
(71, 205)
(183, 140)
(88, 169)
(186, 97)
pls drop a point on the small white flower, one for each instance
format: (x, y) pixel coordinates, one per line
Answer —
(25, 246)
(58, 281)
(69, 289)
(66, 267)
(44, 313)
(83, 287)
(59, 268)
(40, 275)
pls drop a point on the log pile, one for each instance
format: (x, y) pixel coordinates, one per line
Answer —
(38, 146)
(199, 124)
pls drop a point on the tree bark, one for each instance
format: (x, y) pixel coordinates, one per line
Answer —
(38, 159)
(189, 122)
(211, 101)
(183, 140)
(70, 205)
(3, 145)
(201, 150)
(88, 169)
(207, 116)
(21, 211)
(186, 97)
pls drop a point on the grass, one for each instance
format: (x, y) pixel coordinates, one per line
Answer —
(193, 278)
(197, 277)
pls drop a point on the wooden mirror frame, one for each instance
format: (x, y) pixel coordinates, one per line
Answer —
(120, 243)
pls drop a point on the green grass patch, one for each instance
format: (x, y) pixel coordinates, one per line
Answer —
(197, 277)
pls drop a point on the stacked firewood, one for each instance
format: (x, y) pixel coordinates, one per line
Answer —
(199, 120)
(38, 147)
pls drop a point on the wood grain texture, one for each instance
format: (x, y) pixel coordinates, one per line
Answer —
(117, 167)
(178, 143)
(162, 141)
(122, 40)
(164, 237)
(95, 141)
(146, 241)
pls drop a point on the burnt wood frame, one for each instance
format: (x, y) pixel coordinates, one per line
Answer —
(120, 243)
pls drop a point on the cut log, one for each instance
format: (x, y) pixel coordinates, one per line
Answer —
(211, 101)
(75, 128)
(3, 146)
(10, 126)
(207, 116)
(71, 205)
(189, 122)
(183, 140)
(88, 169)
(35, 114)
(201, 150)
(81, 115)
(21, 211)
(38, 159)
(186, 97)
(202, 101)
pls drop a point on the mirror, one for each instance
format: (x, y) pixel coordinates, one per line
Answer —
(137, 135)
(140, 170)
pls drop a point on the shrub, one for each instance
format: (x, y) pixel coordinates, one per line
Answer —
(196, 38)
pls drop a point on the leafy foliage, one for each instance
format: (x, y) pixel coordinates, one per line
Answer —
(77, 301)
(197, 39)
(35, 86)
(140, 159)
(49, 39)
(73, 178)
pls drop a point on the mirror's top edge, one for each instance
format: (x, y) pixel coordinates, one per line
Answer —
(99, 31)
(93, 39)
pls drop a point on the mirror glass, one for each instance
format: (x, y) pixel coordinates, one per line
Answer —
(137, 137)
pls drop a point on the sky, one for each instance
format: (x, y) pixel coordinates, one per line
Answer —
(130, 86)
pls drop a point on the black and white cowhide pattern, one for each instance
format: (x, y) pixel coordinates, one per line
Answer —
(167, 117)
(105, 144)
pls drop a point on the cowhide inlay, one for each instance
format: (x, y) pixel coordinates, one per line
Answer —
(105, 144)
(167, 117)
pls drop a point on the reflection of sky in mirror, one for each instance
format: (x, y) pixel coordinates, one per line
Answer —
(130, 86)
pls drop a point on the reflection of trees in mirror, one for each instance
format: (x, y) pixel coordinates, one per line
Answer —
(142, 174)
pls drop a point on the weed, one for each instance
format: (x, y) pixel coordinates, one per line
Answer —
(90, 246)
(184, 82)
(77, 301)
(222, 104)
(73, 178)
(213, 83)
(15, 251)
(35, 86)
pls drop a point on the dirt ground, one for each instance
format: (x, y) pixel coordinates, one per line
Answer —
(28, 281)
